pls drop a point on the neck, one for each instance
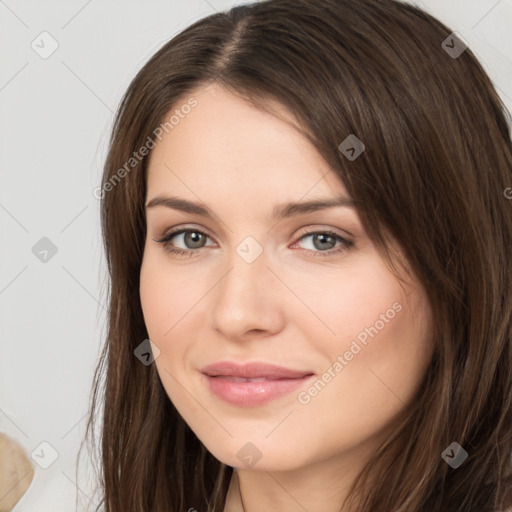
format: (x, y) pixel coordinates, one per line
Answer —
(307, 489)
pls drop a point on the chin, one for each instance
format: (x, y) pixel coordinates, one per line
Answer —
(257, 455)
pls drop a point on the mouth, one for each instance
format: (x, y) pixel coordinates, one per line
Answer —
(252, 384)
(241, 379)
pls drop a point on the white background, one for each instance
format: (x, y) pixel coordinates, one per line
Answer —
(55, 115)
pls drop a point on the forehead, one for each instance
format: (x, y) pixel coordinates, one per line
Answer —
(227, 144)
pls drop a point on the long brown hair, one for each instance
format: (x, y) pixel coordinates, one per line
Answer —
(433, 176)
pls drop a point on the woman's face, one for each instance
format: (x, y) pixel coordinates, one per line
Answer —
(257, 282)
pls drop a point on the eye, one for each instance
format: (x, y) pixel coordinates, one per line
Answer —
(324, 243)
(193, 238)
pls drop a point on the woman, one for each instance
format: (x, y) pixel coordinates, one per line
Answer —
(373, 373)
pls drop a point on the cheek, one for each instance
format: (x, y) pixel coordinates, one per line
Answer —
(171, 305)
(351, 301)
(377, 379)
(166, 297)
(380, 332)
(153, 299)
(162, 308)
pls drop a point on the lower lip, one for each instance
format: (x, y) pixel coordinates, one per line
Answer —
(250, 394)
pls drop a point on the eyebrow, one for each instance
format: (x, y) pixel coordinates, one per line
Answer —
(279, 212)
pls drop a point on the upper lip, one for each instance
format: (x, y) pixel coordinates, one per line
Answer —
(252, 371)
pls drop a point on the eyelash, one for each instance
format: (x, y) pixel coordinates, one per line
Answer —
(345, 244)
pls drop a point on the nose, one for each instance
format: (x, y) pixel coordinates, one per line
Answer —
(248, 301)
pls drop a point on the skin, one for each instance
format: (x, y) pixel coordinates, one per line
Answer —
(292, 306)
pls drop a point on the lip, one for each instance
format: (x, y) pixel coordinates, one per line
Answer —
(274, 382)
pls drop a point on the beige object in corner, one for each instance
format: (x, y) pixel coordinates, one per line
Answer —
(16, 472)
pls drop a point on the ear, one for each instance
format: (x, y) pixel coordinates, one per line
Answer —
(16, 473)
